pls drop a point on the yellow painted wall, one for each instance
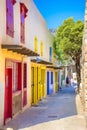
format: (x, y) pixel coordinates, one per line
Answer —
(43, 80)
(28, 82)
(4, 54)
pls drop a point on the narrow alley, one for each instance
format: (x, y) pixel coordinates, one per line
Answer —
(43, 47)
(60, 111)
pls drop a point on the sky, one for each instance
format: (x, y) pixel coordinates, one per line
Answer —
(56, 11)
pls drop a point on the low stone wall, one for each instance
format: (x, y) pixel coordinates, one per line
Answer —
(16, 103)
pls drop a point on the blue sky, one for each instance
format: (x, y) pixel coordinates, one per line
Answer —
(55, 11)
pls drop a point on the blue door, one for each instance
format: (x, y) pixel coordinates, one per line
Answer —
(51, 88)
(47, 83)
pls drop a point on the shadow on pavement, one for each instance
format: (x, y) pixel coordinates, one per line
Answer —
(54, 107)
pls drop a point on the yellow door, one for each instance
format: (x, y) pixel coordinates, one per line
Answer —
(34, 85)
(43, 84)
(39, 83)
(56, 81)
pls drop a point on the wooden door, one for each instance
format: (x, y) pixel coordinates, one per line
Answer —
(8, 94)
(35, 85)
(43, 81)
(32, 85)
(24, 84)
(56, 81)
(39, 83)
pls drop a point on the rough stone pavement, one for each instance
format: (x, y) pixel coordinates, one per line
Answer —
(60, 111)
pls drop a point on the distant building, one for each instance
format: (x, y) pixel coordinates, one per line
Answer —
(53, 31)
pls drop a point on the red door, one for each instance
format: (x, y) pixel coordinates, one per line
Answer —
(8, 94)
(24, 84)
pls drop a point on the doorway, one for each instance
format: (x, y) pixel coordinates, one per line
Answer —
(8, 94)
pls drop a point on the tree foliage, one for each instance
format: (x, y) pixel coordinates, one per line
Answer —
(68, 41)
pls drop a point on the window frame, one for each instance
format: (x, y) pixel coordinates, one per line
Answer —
(23, 15)
(10, 17)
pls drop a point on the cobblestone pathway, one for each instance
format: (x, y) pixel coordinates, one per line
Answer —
(56, 112)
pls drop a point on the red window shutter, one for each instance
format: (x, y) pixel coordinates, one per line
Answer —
(23, 14)
(19, 76)
(22, 33)
(25, 9)
(24, 84)
(9, 18)
(22, 23)
(13, 1)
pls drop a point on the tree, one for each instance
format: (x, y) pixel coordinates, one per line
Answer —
(68, 42)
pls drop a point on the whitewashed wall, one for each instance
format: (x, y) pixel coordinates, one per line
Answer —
(35, 25)
(2, 84)
(2, 66)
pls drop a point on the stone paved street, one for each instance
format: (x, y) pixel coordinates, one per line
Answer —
(61, 111)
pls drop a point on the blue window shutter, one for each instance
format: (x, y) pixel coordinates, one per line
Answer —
(50, 54)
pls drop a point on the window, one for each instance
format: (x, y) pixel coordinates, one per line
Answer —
(15, 77)
(50, 54)
(9, 17)
(41, 48)
(35, 44)
(23, 11)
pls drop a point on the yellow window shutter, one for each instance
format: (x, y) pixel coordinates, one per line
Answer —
(41, 48)
(35, 44)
